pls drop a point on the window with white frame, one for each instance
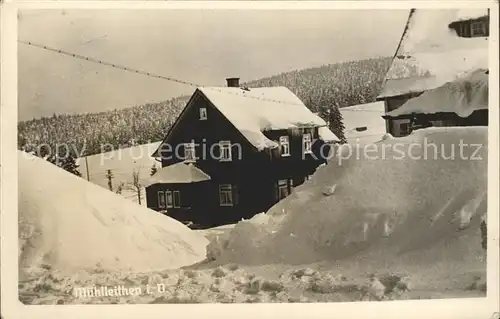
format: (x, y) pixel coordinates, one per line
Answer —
(285, 146)
(307, 142)
(169, 199)
(189, 152)
(226, 195)
(177, 199)
(225, 151)
(161, 199)
(203, 113)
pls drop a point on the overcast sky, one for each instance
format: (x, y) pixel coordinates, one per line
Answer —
(200, 46)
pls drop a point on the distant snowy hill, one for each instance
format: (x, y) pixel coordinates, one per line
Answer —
(342, 84)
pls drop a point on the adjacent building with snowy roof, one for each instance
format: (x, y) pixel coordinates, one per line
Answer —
(437, 46)
(462, 102)
(247, 147)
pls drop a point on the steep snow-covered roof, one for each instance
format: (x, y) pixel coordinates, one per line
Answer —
(462, 96)
(431, 54)
(257, 110)
(367, 115)
(178, 173)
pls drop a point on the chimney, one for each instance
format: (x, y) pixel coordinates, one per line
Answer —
(233, 82)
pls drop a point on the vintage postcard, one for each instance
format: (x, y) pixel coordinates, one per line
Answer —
(250, 159)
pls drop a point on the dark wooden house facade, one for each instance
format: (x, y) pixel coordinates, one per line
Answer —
(253, 145)
(456, 41)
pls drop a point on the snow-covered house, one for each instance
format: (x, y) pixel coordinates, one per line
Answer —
(250, 145)
(437, 47)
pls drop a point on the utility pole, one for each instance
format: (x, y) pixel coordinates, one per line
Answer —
(87, 168)
(109, 176)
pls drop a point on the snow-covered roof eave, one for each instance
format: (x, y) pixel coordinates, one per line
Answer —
(326, 135)
(404, 115)
(159, 179)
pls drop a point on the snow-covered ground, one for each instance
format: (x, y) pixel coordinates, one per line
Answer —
(396, 227)
(122, 163)
(71, 225)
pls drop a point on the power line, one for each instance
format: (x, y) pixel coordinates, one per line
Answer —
(113, 65)
(145, 73)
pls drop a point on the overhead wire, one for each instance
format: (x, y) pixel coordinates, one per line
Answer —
(157, 76)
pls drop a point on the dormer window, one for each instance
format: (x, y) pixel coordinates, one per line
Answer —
(307, 143)
(472, 28)
(203, 113)
(285, 146)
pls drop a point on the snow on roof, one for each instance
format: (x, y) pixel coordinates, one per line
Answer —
(468, 14)
(178, 173)
(432, 54)
(462, 96)
(261, 109)
(367, 115)
(326, 135)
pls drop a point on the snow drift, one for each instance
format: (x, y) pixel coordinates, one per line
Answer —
(69, 224)
(419, 197)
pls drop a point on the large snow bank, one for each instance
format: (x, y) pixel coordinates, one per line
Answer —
(70, 224)
(416, 200)
(260, 109)
(462, 97)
